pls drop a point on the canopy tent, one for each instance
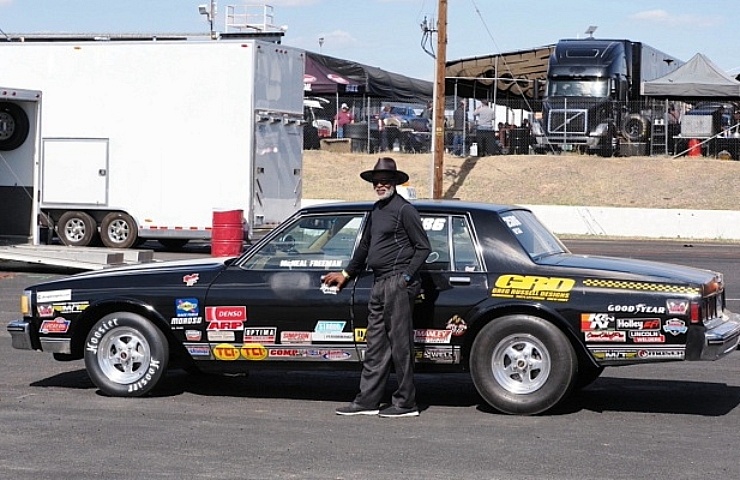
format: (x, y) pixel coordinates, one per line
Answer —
(348, 77)
(699, 78)
(510, 75)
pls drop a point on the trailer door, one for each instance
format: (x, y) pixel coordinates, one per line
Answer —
(74, 171)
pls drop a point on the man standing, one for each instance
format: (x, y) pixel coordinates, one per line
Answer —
(342, 118)
(394, 245)
(459, 125)
(484, 131)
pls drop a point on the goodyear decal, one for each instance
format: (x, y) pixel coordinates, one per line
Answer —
(645, 286)
(529, 287)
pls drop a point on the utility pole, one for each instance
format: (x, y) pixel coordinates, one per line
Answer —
(438, 142)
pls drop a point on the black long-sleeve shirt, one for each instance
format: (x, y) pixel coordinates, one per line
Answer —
(394, 241)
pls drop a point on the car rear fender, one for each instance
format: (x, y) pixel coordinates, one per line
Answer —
(488, 312)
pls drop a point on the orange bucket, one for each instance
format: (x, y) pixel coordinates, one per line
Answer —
(694, 148)
(227, 233)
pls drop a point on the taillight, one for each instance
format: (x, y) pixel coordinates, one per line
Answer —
(695, 312)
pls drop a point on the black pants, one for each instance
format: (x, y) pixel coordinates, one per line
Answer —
(390, 338)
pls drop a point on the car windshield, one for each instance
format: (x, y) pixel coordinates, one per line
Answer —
(532, 235)
(578, 88)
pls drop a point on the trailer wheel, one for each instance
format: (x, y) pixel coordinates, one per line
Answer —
(118, 230)
(635, 128)
(14, 126)
(76, 229)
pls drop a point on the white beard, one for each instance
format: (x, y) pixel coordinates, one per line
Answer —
(388, 193)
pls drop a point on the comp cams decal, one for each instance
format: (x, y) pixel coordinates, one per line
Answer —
(529, 287)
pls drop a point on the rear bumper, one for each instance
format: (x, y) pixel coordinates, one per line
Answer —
(22, 339)
(720, 338)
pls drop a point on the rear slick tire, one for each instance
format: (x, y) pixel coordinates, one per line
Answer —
(522, 365)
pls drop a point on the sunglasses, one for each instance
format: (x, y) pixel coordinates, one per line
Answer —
(382, 181)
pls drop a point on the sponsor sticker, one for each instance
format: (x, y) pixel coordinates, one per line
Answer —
(638, 323)
(638, 308)
(179, 321)
(226, 352)
(360, 335)
(221, 336)
(327, 326)
(335, 355)
(54, 296)
(295, 337)
(596, 321)
(457, 326)
(332, 336)
(675, 327)
(193, 335)
(260, 335)
(605, 336)
(253, 351)
(45, 310)
(677, 306)
(529, 287)
(199, 350)
(226, 313)
(191, 279)
(432, 336)
(58, 325)
(186, 307)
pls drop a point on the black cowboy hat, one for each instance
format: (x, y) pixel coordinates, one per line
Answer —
(385, 165)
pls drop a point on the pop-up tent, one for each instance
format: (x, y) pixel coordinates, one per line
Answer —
(334, 75)
(699, 78)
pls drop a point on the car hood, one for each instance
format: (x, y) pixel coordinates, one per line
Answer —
(177, 272)
(627, 268)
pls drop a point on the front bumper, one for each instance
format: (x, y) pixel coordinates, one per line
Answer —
(719, 338)
(22, 339)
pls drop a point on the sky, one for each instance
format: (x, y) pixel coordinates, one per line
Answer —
(387, 33)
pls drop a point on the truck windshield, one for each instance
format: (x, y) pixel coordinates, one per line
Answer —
(578, 88)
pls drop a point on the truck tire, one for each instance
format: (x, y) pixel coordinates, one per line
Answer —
(521, 364)
(76, 229)
(118, 230)
(635, 128)
(126, 355)
(16, 126)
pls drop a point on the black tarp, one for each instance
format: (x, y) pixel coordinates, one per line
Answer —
(699, 78)
(364, 80)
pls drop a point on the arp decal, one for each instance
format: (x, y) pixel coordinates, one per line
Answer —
(528, 287)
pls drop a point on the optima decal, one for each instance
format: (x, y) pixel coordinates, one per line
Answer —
(528, 287)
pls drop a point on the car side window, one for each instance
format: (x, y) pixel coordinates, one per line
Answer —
(320, 242)
(438, 233)
(463, 247)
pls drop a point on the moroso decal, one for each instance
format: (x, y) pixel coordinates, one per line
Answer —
(652, 287)
(529, 287)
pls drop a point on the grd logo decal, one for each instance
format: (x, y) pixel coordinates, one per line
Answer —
(225, 351)
(254, 351)
(528, 287)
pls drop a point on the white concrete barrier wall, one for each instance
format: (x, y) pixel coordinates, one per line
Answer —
(633, 222)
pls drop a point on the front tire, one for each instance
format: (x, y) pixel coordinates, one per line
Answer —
(126, 355)
(522, 364)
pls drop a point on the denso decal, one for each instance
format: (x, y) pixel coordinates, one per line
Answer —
(639, 308)
(260, 335)
(54, 296)
(638, 323)
(432, 336)
(675, 327)
(596, 321)
(528, 287)
(58, 325)
(226, 313)
(295, 337)
(225, 351)
(677, 307)
(186, 307)
(253, 351)
(606, 336)
(457, 326)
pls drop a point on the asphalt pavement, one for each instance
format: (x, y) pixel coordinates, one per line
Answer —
(661, 421)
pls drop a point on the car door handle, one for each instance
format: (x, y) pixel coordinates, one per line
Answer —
(460, 280)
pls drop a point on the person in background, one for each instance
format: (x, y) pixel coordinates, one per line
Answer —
(383, 119)
(484, 130)
(428, 112)
(459, 124)
(342, 118)
(394, 246)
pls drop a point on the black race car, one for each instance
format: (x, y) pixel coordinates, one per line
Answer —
(501, 298)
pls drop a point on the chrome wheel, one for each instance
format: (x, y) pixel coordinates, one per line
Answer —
(124, 355)
(521, 364)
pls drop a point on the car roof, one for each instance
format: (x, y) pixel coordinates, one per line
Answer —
(443, 206)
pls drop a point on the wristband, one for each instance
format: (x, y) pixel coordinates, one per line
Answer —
(345, 274)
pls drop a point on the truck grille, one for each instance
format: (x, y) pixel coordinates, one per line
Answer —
(567, 121)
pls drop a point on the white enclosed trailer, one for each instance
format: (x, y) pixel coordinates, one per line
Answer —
(146, 139)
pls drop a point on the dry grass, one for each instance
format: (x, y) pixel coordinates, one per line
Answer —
(640, 182)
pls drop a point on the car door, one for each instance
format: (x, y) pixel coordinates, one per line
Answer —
(453, 282)
(272, 305)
